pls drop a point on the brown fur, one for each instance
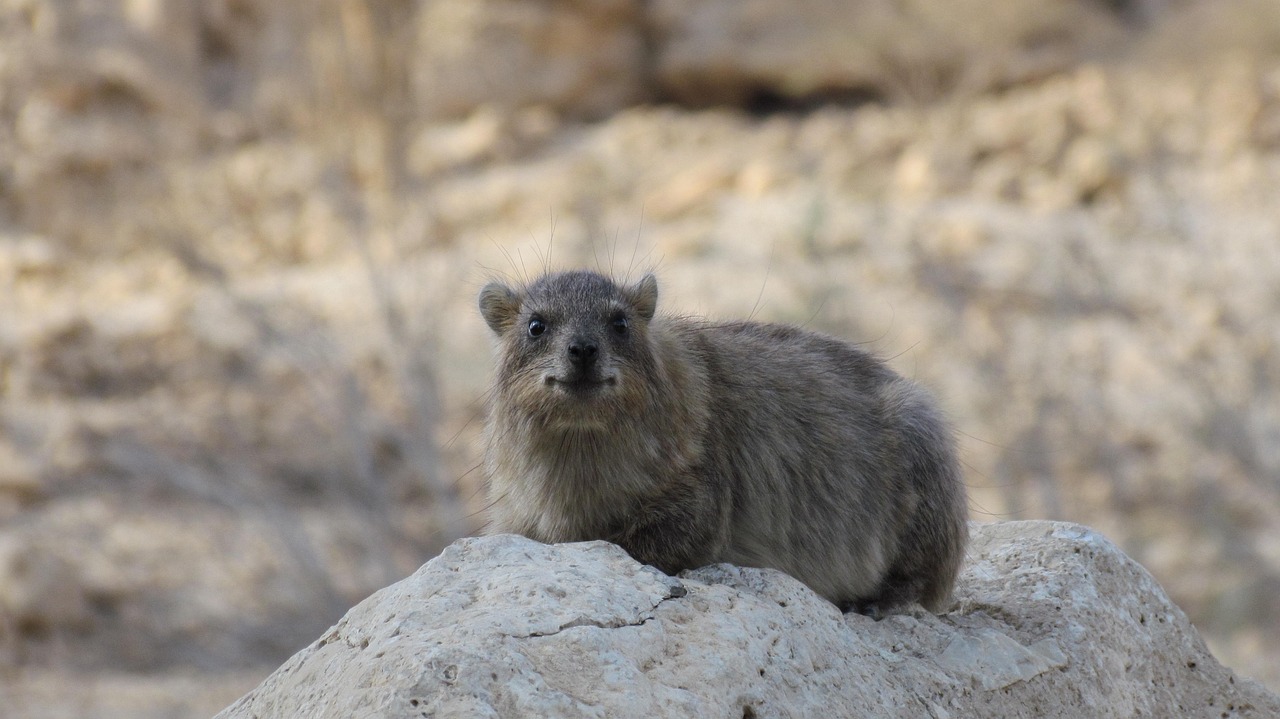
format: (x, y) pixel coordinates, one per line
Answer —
(688, 442)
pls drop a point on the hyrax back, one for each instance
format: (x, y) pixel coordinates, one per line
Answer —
(688, 442)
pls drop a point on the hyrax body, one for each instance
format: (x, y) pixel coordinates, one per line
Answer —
(689, 442)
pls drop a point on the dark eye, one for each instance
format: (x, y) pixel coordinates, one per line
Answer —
(537, 327)
(619, 325)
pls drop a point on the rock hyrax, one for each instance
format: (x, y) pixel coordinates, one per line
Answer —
(690, 442)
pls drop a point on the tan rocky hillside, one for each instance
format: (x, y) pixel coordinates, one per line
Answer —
(241, 372)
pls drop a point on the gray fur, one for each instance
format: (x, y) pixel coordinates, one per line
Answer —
(689, 442)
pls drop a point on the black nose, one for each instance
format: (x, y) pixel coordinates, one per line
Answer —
(583, 353)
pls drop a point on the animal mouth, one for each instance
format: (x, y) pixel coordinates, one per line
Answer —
(581, 384)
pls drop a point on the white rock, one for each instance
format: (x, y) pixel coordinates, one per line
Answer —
(1052, 620)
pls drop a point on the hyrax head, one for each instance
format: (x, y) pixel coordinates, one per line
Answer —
(574, 345)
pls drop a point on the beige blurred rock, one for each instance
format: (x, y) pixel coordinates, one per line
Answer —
(19, 479)
(692, 188)
(149, 584)
(915, 174)
(736, 52)
(449, 145)
(1090, 166)
(52, 694)
(42, 591)
(28, 256)
(581, 58)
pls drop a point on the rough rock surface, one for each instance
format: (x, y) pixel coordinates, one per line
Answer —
(1051, 620)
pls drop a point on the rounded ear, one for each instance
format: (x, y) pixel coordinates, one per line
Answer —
(644, 296)
(498, 305)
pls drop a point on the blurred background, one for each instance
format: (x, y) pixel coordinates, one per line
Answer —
(241, 369)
